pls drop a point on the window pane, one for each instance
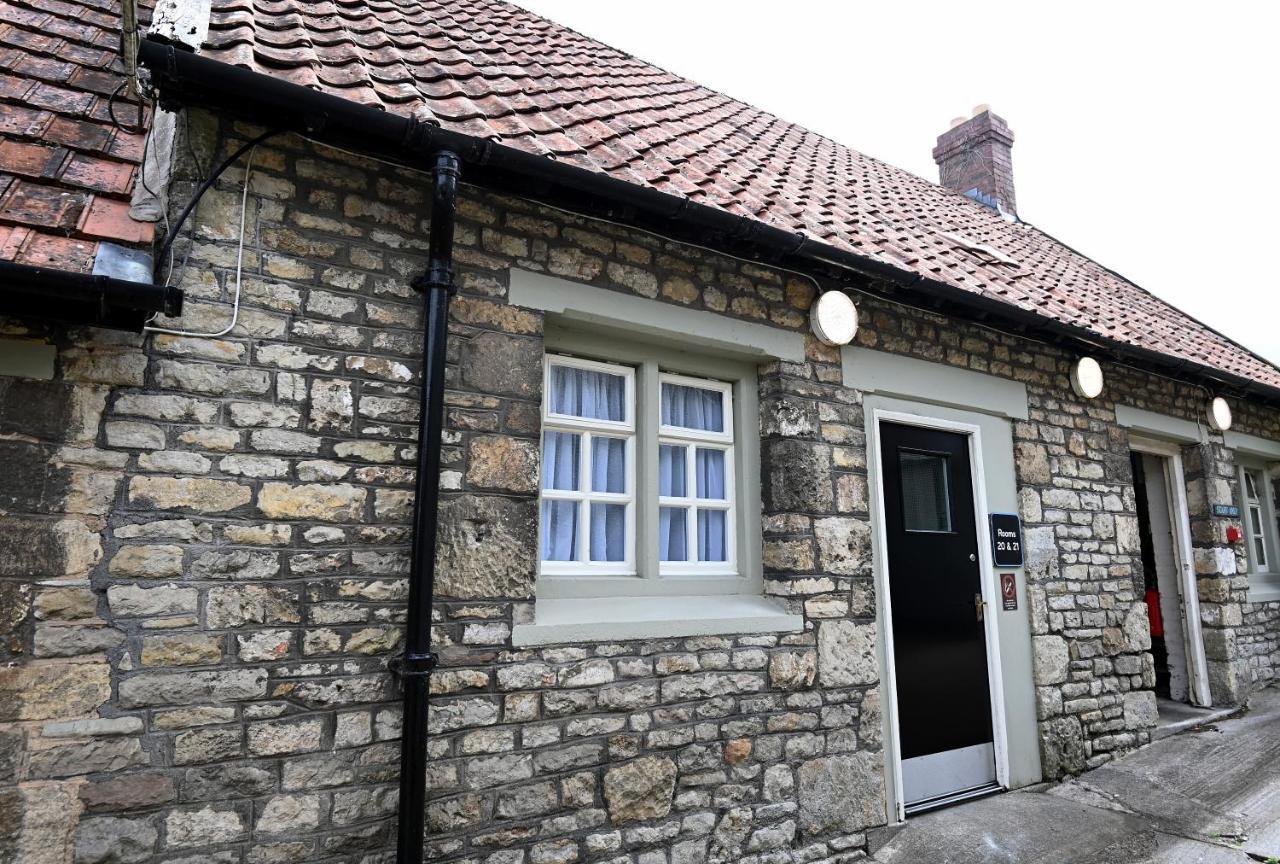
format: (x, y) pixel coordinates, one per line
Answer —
(608, 532)
(711, 535)
(587, 393)
(709, 466)
(692, 407)
(672, 534)
(671, 471)
(1250, 486)
(608, 465)
(1260, 552)
(559, 531)
(560, 460)
(926, 506)
(1255, 521)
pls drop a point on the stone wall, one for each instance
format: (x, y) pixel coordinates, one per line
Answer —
(202, 645)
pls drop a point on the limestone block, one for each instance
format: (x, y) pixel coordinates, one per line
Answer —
(847, 653)
(1032, 462)
(844, 545)
(487, 547)
(335, 502)
(44, 691)
(502, 365)
(798, 477)
(502, 462)
(842, 793)
(133, 601)
(233, 606)
(199, 494)
(1062, 747)
(110, 840)
(1137, 628)
(793, 670)
(1050, 659)
(203, 827)
(180, 688)
(640, 789)
(147, 562)
(286, 813)
(1140, 710)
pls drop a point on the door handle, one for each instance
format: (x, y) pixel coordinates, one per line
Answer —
(973, 556)
(980, 606)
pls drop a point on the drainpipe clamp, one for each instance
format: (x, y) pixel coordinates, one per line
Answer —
(414, 665)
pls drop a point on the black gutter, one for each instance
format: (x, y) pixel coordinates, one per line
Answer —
(185, 78)
(418, 661)
(81, 298)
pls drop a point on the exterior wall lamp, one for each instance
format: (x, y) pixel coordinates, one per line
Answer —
(833, 318)
(1219, 414)
(1086, 378)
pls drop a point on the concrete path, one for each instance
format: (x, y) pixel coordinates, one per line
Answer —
(1209, 795)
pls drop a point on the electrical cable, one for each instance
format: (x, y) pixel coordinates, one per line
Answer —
(235, 306)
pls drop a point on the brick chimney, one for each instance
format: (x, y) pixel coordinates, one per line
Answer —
(975, 158)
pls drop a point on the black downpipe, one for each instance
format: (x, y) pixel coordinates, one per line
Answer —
(418, 661)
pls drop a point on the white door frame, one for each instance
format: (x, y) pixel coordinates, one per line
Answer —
(1197, 666)
(987, 579)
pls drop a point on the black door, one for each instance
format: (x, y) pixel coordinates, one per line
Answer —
(939, 641)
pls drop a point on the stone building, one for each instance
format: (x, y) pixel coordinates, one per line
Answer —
(708, 588)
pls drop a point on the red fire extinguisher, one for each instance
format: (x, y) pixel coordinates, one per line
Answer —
(1153, 613)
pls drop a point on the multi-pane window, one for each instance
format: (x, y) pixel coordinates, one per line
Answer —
(588, 467)
(596, 504)
(1255, 519)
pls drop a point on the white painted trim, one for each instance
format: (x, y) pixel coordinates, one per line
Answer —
(1252, 445)
(641, 318)
(986, 578)
(1161, 425)
(614, 619)
(911, 378)
(1179, 516)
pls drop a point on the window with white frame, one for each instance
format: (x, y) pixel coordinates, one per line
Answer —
(1255, 519)
(643, 475)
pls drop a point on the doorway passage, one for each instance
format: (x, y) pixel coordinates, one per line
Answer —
(1160, 571)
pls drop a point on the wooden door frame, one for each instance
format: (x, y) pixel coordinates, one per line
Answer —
(1176, 501)
(884, 602)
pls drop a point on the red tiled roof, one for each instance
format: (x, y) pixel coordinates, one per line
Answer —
(494, 70)
(66, 170)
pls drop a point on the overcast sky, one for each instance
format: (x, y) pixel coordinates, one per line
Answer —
(1147, 137)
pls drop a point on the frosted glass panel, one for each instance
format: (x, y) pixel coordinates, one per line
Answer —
(671, 471)
(587, 393)
(692, 407)
(608, 465)
(560, 460)
(711, 535)
(559, 531)
(608, 532)
(926, 505)
(672, 534)
(709, 465)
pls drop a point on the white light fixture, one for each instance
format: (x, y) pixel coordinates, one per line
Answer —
(834, 318)
(1219, 414)
(1086, 378)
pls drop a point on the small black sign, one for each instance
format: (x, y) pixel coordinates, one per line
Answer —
(1006, 540)
(1009, 591)
(1230, 511)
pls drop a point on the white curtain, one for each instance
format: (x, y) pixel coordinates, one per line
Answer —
(711, 535)
(672, 530)
(600, 396)
(692, 407)
(588, 393)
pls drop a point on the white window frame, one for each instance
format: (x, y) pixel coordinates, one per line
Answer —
(1256, 506)
(692, 440)
(584, 496)
(653, 362)
(1264, 576)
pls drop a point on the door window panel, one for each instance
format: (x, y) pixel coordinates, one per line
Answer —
(926, 501)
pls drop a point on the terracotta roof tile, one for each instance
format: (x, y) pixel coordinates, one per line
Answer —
(66, 171)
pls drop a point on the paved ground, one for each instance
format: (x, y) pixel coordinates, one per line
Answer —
(1207, 795)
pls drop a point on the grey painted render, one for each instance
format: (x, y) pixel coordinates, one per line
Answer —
(20, 358)
(660, 323)
(1160, 425)
(936, 383)
(1252, 445)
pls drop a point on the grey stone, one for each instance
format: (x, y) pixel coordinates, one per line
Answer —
(109, 840)
(798, 477)
(203, 827)
(841, 793)
(487, 547)
(1137, 628)
(1050, 659)
(847, 653)
(640, 789)
(1140, 710)
(844, 545)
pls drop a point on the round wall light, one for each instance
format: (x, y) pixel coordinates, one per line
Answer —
(1219, 414)
(834, 318)
(1086, 378)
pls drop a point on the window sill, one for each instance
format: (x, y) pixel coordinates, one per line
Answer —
(1263, 588)
(619, 618)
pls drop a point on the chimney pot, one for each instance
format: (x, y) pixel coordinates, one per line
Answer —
(975, 158)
